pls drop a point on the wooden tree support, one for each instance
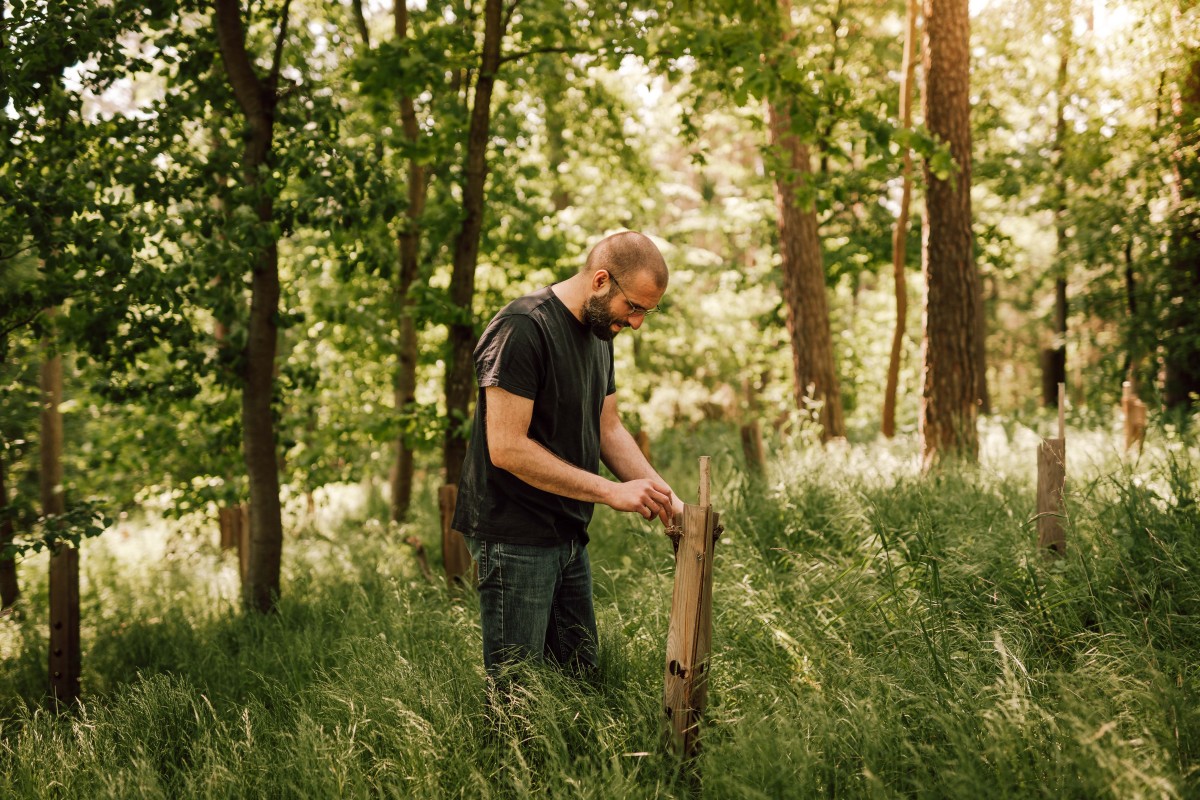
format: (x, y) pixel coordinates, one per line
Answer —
(1052, 473)
(235, 535)
(455, 555)
(752, 447)
(689, 637)
(65, 658)
(1135, 417)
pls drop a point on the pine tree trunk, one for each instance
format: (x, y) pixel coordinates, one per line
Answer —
(900, 234)
(1181, 340)
(950, 350)
(813, 367)
(258, 99)
(460, 372)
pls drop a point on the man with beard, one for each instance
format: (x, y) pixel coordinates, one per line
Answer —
(546, 416)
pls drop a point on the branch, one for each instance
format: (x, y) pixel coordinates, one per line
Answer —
(575, 51)
(277, 59)
(508, 15)
(231, 36)
(360, 22)
(15, 253)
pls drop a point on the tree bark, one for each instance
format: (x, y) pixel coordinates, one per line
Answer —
(409, 243)
(258, 99)
(10, 588)
(950, 349)
(900, 234)
(1055, 367)
(815, 375)
(64, 660)
(1181, 340)
(460, 373)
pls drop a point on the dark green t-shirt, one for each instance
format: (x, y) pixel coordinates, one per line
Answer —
(537, 349)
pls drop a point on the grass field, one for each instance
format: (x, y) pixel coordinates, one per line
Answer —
(876, 634)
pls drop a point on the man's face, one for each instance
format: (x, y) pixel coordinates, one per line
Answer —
(607, 314)
(599, 316)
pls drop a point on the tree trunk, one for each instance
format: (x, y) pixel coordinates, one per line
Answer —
(460, 372)
(950, 350)
(900, 234)
(258, 100)
(1181, 339)
(1055, 367)
(813, 368)
(64, 661)
(10, 589)
(405, 382)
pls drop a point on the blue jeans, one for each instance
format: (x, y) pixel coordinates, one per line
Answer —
(535, 604)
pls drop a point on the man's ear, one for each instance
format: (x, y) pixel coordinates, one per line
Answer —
(600, 279)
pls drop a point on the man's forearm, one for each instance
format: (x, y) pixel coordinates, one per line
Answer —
(540, 468)
(622, 455)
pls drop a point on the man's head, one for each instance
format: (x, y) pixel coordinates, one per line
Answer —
(626, 276)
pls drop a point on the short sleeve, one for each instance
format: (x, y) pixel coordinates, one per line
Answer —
(612, 372)
(509, 355)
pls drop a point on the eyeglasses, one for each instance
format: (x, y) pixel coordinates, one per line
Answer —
(634, 309)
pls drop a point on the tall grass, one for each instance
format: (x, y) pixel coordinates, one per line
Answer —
(877, 634)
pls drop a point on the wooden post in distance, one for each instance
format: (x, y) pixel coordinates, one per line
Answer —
(1135, 416)
(1052, 472)
(455, 555)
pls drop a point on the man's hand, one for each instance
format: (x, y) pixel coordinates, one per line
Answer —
(647, 497)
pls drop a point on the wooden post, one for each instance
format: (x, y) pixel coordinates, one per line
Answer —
(1052, 473)
(1135, 417)
(752, 447)
(65, 661)
(689, 638)
(455, 555)
(240, 517)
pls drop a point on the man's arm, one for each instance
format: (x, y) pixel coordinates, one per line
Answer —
(511, 449)
(622, 455)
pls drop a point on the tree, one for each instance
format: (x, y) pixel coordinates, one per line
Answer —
(816, 380)
(1181, 340)
(900, 235)
(258, 98)
(950, 351)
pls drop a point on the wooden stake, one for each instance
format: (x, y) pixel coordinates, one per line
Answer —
(752, 447)
(65, 661)
(1062, 413)
(240, 517)
(1052, 472)
(689, 638)
(1134, 411)
(455, 555)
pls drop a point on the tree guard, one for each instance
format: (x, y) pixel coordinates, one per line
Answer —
(689, 638)
(1052, 474)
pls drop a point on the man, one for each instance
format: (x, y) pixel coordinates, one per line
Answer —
(547, 414)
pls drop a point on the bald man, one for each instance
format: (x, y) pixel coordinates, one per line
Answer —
(547, 415)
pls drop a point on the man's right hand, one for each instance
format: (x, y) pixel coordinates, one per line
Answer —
(644, 496)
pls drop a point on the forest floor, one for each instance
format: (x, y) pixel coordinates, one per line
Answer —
(876, 634)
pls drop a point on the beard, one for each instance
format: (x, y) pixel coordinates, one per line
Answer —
(598, 317)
